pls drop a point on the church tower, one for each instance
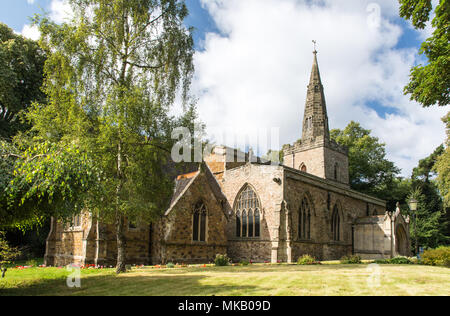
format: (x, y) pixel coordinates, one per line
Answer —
(316, 153)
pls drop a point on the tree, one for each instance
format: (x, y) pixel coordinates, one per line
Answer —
(111, 77)
(369, 170)
(430, 215)
(442, 167)
(21, 77)
(430, 84)
(7, 254)
(40, 179)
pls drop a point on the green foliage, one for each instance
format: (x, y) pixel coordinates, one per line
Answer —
(43, 179)
(31, 263)
(351, 260)
(244, 263)
(7, 253)
(369, 170)
(21, 77)
(442, 167)
(437, 257)
(307, 260)
(430, 225)
(170, 265)
(111, 78)
(221, 260)
(400, 260)
(430, 84)
(382, 261)
(397, 260)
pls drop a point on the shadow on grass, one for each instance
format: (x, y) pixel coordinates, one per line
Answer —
(268, 268)
(131, 284)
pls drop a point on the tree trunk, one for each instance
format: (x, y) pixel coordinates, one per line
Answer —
(121, 239)
(4, 272)
(121, 245)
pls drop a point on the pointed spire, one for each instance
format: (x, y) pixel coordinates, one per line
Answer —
(315, 121)
(315, 73)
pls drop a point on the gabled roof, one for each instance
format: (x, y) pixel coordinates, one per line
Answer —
(183, 183)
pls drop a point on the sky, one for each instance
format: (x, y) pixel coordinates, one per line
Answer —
(253, 61)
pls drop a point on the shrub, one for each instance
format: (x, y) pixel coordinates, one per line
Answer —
(414, 260)
(400, 260)
(7, 254)
(245, 262)
(170, 265)
(382, 261)
(221, 260)
(351, 260)
(31, 263)
(437, 257)
(307, 260)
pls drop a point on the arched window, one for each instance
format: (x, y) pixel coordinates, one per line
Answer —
(336, 224)
(238, 224)
(199, 223)
(248, 214)
(304, 220)
(303, 168)
(257, 223)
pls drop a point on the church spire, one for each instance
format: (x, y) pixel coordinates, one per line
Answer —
(315, 120)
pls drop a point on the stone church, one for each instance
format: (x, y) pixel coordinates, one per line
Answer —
(252, 210)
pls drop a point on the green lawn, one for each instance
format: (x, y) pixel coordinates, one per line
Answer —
(254, 280)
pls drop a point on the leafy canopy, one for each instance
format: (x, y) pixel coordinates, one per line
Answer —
(430, 84)
(368, 166)
(21, 77)
(112, 75)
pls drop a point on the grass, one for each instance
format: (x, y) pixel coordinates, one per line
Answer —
(253, 280)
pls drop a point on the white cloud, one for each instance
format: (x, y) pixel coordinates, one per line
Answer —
(30, 1)
(31, 32)
(255, 76)
(60, 11)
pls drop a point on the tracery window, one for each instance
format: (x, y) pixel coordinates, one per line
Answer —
(199, 223)
(336, 224)
(304, 220)
(248, 214)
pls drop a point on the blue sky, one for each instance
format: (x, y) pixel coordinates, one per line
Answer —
(254, 57)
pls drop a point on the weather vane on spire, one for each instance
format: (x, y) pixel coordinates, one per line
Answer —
(315, 51)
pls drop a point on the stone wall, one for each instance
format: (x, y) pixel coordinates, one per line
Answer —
(319, 158)
(94, 243)
(175, 234)
(373, 237)
(323, 196)
(270, 193)
(69, 245)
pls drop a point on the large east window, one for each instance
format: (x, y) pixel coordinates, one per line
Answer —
(248, 214)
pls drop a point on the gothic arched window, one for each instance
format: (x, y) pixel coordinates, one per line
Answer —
(248, 214)
(336, 224)
(199, 223)
(304, 220)
(238, 224)
(304, 168)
